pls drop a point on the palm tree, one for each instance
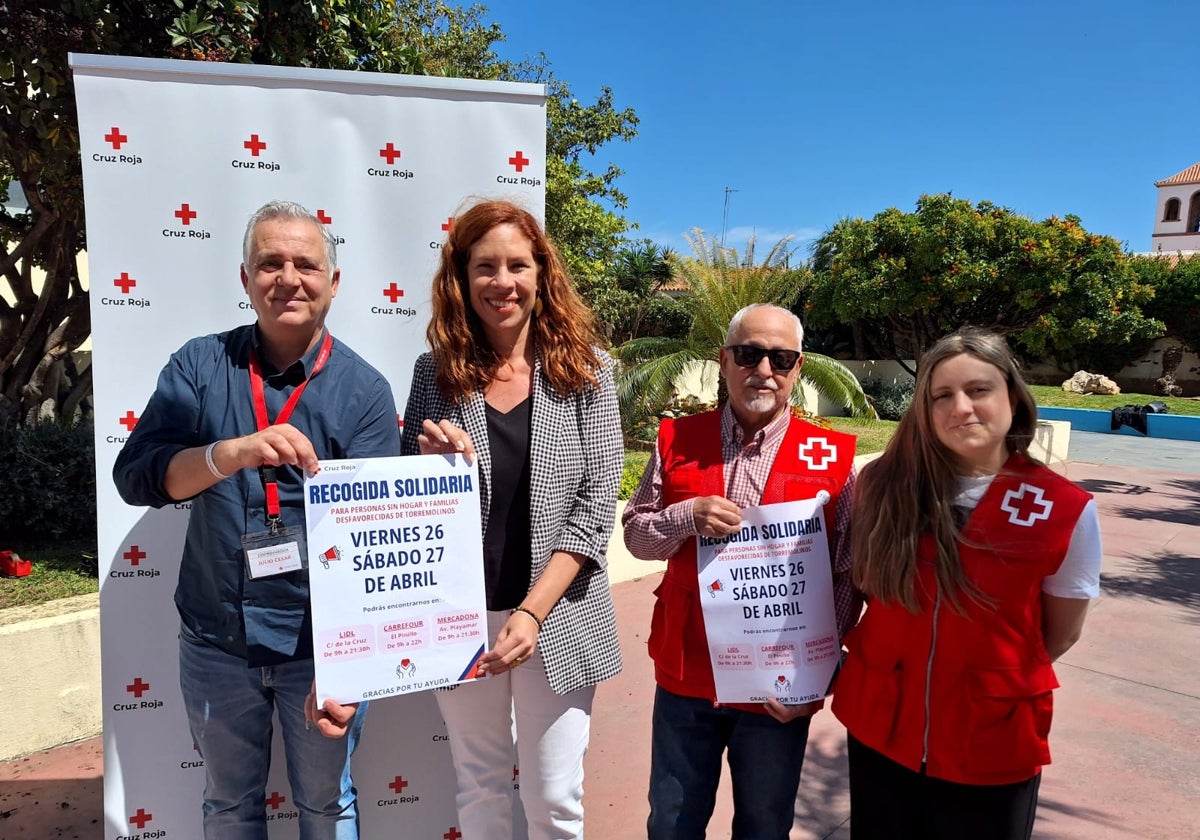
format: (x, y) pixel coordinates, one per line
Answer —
(720, 284)
(642, 269)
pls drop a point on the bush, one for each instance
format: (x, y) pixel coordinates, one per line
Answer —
(1176, 295)
(635, 465)
(890, 399)
(49, 474)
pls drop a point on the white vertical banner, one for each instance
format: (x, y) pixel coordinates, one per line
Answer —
(176, 156)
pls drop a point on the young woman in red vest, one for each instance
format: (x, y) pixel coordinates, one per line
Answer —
(978, 563)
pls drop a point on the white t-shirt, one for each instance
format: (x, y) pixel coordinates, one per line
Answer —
(1079, 574)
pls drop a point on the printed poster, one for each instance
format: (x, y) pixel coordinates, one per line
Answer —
(767, 597)
(396, 575)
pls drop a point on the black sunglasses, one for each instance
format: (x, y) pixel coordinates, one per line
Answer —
(748, 356)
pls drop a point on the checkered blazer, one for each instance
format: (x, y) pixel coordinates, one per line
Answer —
(576, 457)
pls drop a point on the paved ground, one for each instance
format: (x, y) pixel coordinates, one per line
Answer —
(1127, 720)
(1180, 456)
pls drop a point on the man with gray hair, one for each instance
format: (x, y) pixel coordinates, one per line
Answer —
(234, 422)
(704, 471)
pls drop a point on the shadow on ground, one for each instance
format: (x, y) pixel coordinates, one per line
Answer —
(28, 809)
(1051, 812)
(823, 800)
(1166, 577)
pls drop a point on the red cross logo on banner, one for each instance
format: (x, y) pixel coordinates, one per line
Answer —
(393, 293)
(129, 421)
(325, 220)
(448, 224)
(141, 818)
(398, 784)
(1026, 505)
(275, 800)
(516, 772)
(134, 555)
(116, 138)
(817, 453)
(137, 688)
(390, 152)
(185, 214)
(452, 834)
(519, 161)
(254, 145)
(124, 282)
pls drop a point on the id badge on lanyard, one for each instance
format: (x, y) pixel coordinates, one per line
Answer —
(279, 549)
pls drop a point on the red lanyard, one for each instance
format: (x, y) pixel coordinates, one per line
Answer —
(266, 472)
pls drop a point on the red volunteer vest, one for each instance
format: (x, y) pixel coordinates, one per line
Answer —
(984, 676)
(810, 459)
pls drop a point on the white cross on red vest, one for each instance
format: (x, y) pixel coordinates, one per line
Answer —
(1026, 505)
(817, 453)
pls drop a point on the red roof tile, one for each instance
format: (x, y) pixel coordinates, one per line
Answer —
(1191, 175)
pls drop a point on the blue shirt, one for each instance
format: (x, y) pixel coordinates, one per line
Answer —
(203, 395)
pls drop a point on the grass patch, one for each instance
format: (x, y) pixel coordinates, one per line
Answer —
(58, 571)
(1054, 396)
(873, 435)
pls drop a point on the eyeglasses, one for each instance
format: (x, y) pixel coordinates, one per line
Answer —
(748, 356)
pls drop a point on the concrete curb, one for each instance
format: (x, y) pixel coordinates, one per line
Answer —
(51, 665)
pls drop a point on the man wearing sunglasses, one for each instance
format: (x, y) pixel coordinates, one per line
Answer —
(704, 471)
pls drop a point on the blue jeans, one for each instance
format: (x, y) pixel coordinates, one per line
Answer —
(229, 709)
(765, 758)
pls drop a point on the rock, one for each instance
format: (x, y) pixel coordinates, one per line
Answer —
(1090, 383)
(1165, 385)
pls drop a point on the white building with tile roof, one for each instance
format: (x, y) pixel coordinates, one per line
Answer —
(1177, 222)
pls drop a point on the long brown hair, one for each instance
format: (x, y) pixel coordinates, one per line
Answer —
(908, 491)
(563, 328)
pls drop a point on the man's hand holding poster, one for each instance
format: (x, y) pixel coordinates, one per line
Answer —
(396, 575)
(767, 596)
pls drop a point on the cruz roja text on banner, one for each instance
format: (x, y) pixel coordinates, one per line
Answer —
(396, 575)
(767, 596)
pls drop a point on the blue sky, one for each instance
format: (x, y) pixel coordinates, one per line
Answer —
(814, 111)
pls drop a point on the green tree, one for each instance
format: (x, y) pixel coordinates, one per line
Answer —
(581, 204)
(720, 283)
(1176, 284)
(39, 142)
(907, 279)
(629, 300)
(41, 215)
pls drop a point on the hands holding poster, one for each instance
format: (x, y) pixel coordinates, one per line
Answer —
(395, 575)
(767, 597)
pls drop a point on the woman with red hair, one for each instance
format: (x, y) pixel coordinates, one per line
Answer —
(515, 378)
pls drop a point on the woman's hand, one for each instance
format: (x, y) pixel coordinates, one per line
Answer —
(515, 644)
(445, 438)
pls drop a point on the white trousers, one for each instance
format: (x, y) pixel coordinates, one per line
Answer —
(550, 742)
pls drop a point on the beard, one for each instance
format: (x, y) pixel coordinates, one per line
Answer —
(761, 403)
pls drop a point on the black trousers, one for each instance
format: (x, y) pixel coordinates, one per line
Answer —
(890, 802)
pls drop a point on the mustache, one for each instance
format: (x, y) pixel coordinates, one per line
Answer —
(759, 382)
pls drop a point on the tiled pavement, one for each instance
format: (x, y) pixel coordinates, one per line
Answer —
(1126, 734)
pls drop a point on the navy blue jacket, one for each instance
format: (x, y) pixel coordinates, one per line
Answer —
(203, 395)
